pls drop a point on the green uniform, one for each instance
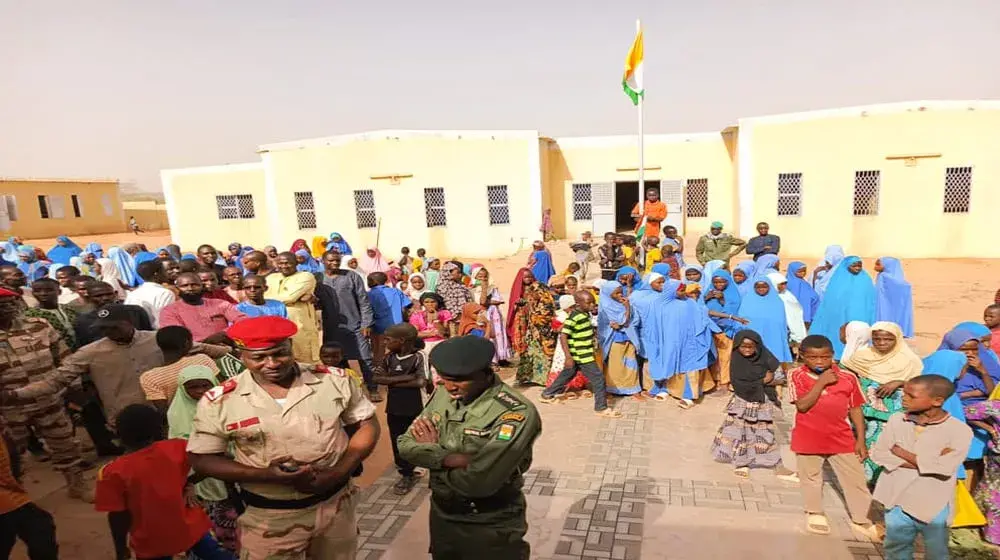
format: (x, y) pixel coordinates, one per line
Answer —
(478, 512)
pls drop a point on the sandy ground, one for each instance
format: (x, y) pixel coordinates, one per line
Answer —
(941, 300)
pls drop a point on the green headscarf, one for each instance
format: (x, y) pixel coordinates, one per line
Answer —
(180, 415)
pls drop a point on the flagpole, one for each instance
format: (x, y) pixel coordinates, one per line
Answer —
(642, 163)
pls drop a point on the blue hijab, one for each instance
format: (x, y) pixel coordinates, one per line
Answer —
(762, 266)
(33, 268)
(54, 269)
(894, 301)
(802, 291)
(144, 256)
(662, 269)
(543, 269)
(341, 246)
(732, 299)
(94, 249)
(704, 328)
(687, 267)
(747, 268)
(10, 252)
(834, 255)
(189, 257)
(643, 301)
(636, 278)
(608, 311)
(986, 355)
(849, 297)
(767, 318)
(949, 364)
(62, 253)
(706, 274)
(673, 340)
(126, 266)
(311, 265)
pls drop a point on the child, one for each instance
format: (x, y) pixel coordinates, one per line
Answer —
(147, 493)
(473, 321)
(668, 257)
(331, 355)
(389, 307)
(418, 263)
(611, 256)
(404, 372)
(19, 516)
(405, 261)
(651, 253)
(675, 241)
(629, 249)
(825, 398)
(583, 249)
(577, 387)
(540, 263)
(572, 269)
(921, 451)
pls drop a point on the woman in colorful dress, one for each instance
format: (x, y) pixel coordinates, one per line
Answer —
(529, 326)
(485, 293)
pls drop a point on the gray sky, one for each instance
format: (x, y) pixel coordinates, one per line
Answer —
(126, 88)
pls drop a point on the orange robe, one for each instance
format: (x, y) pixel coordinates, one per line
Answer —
(655, 212)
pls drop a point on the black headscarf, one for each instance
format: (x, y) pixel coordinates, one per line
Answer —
(747, 374)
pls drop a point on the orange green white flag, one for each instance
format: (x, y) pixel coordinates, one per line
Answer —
(632, 80)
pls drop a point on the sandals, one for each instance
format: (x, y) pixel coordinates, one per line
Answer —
(742, 472)
(609, 413)
(661, 397)
(685, 404)
(817, 524)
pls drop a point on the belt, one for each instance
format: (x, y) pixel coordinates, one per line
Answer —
(263, 502)
(479, 505)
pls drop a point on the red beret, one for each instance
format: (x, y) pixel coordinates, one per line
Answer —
(8, 293)
(261, 333)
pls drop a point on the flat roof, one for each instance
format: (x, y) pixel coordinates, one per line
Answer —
(877, 109)
(58, 180)
(341, 139)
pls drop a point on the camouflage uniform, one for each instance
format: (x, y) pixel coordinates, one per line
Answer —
(478, 512)
(310, 429)
(29, 349)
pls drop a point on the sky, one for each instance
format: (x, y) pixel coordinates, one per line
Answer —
(123, 89)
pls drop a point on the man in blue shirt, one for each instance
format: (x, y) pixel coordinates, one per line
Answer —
(764, 243)
(255, 305)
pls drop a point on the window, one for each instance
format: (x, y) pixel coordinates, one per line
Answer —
(434, 207)
(106, 204)
(582, 209)
(235, 206)
(77, 209)
(43, 206)
(957, 190)
(697, 198)
(57, 206)
(10, 201)
(789, 194)
(496, 196)
(866, 187)
(305, 210)
(364, 204)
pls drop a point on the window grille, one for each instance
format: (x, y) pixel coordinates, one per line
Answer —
(697, 198)
(496, 197)
(364, 206)
(305, 210)
(583, 210)
(235, 206)
(789, 194)
(434, 207)
(866, 192)
(957, 190)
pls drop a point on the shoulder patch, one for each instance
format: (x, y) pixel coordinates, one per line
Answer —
(216, 392)
(506, 432)
(475, 432)
(508, 400)
(511, 417)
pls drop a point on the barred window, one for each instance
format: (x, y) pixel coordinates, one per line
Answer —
(957, 190)
(496, 197)
(235, 206)
(43, 206)
(583, 210)
(77, 206)
(305, 210)
(866, 190)
(789, 194)
(697, 198)
(364, 205)
(434, 207)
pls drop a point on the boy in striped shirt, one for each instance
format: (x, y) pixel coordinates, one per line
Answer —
(577, 341)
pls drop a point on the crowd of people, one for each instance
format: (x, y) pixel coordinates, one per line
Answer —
(132, 341)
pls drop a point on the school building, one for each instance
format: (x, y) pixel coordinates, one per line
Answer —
(36, 208)
(913, 179)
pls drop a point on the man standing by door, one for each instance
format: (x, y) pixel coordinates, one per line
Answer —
(654, 211)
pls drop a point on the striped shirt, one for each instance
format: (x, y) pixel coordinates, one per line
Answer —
(579, 331)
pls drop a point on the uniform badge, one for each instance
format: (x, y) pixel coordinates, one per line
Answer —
(214, 393)
(475, 432)
(250, 422)
(512, 417)
(506, 432)
(436, 417)
(508, 400)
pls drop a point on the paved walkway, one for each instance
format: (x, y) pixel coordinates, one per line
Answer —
(643, 486)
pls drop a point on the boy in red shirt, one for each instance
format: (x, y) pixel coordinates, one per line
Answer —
(825, 398)
(148, 495)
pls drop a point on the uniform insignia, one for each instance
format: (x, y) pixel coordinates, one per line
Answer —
(233, 426)
(103, 313)
(508, 400)
(506, 432)
(436, 417)
(214, 393)
(512, 417)
(475, 432)
(249, 422)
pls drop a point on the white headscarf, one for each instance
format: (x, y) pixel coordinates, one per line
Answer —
(793, 309)
(858, 335)
(110, 274)
(413, 292)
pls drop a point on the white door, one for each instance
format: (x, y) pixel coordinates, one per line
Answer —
(672, 194)
(602, 205)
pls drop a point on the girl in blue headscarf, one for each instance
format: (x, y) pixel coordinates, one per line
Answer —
(723, 302)
(29, 263)
(742, 276)
(850, 296)
(307, 263)
(618, 340)
(94, 249)
(337, 243)
(641, 304)
(63, 250)
(802, 290)
(540, 263)
(690, 379)
(628, 278)
(894, 295)
(659, 341)
(825, 270)
(763, 266)
(986, 354)
(692, 273)
(708, 272)
(975, 382)
(765, 312)
(125, 265)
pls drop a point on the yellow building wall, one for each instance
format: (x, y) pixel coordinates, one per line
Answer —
(462, 166)
(193, 212)
(910, 221)
(150, 215)
(100, 206)
(701, 157)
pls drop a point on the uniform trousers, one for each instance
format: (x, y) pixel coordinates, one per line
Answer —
(50, 421)
(327, 530)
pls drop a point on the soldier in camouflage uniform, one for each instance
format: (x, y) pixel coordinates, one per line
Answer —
(29, 349)
(292, 457)
(476, 436)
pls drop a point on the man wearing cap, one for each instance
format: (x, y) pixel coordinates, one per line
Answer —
(291, 455)
(31, 348)
(476, 436)
(718, 246)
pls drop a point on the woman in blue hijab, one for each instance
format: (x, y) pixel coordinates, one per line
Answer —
(823, 274)
(765, 312)
(307, 263)
(850, 296)
(125, 265)
(764, 265)
(337, 243)
(708, 272)
(894, 300)
(687, 328)
(618, 338)
(641, 303)
(540, 263)
(29, 263)
(723, 302)
(802, 290)
(628, 278)
(744, 270)
(63, 250)
(95, 249)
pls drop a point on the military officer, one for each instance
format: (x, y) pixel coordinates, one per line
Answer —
(476, 436)
(291, 455)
